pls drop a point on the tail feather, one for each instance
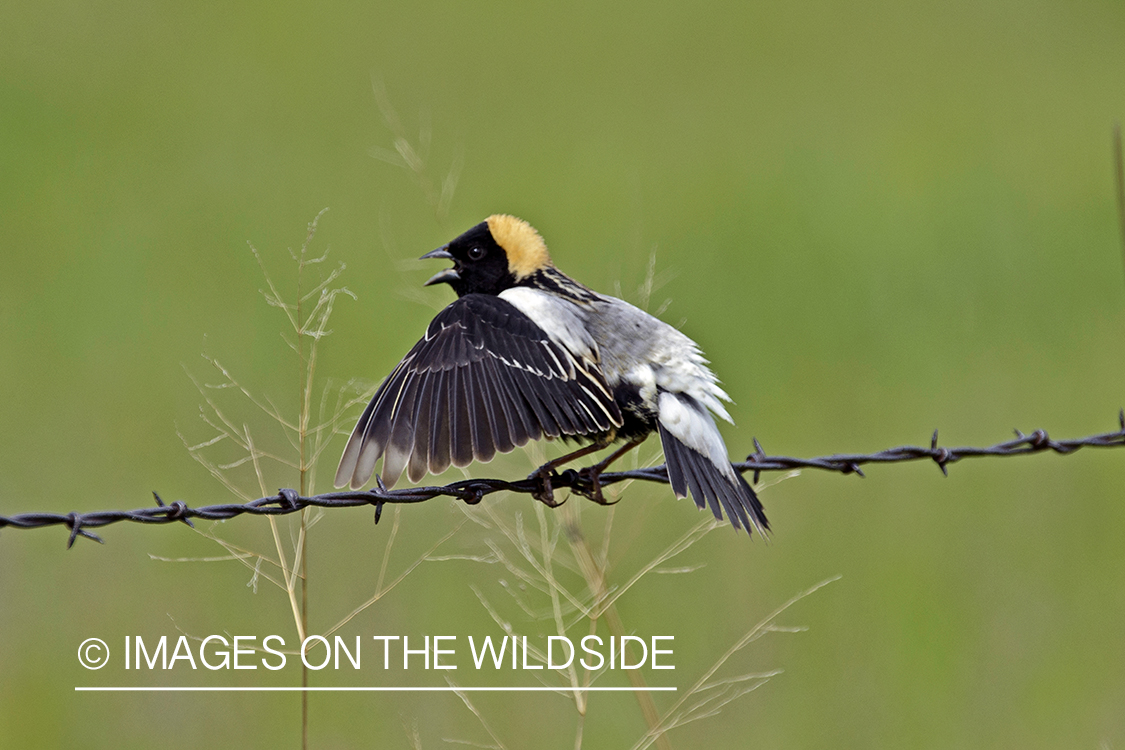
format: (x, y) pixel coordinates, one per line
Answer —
(711, 486)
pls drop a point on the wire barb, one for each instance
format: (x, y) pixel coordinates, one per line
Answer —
(472, 491)
(176, 511)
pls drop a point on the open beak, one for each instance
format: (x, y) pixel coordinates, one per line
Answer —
(447, 276)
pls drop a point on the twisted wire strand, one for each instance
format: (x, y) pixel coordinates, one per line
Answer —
(472, 491)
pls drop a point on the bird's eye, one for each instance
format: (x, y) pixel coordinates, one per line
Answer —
(476, 253)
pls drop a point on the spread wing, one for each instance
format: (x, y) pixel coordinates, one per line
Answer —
(485, 378)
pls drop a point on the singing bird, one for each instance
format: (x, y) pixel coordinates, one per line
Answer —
(525, 353)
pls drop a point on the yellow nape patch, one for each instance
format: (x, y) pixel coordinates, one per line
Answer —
(526, 250)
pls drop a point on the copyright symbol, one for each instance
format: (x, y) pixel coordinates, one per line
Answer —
(93, 653)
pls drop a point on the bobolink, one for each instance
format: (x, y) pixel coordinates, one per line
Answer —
(524, 353)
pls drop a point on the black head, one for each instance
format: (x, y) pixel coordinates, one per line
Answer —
(495, 255)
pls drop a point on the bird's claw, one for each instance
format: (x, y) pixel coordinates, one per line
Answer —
(545, 492)
(590, 486)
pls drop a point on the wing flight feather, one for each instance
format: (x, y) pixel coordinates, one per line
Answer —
(484, 379)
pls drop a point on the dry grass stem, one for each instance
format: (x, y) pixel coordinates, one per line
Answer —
(480, 717)
(721, 692)
(415, 157)
(382, 590)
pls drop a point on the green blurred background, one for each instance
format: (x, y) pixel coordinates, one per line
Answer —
(883, 218)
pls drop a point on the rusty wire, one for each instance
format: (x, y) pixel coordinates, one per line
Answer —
(472, 491)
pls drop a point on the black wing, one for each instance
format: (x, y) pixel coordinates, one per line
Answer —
(485, 378)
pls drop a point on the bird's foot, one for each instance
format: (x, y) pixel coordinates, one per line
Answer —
(545, 492)
(590, 484)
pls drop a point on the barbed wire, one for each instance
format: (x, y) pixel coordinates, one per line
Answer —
(472, 491)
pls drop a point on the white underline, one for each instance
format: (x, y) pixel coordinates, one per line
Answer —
(381, 689)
